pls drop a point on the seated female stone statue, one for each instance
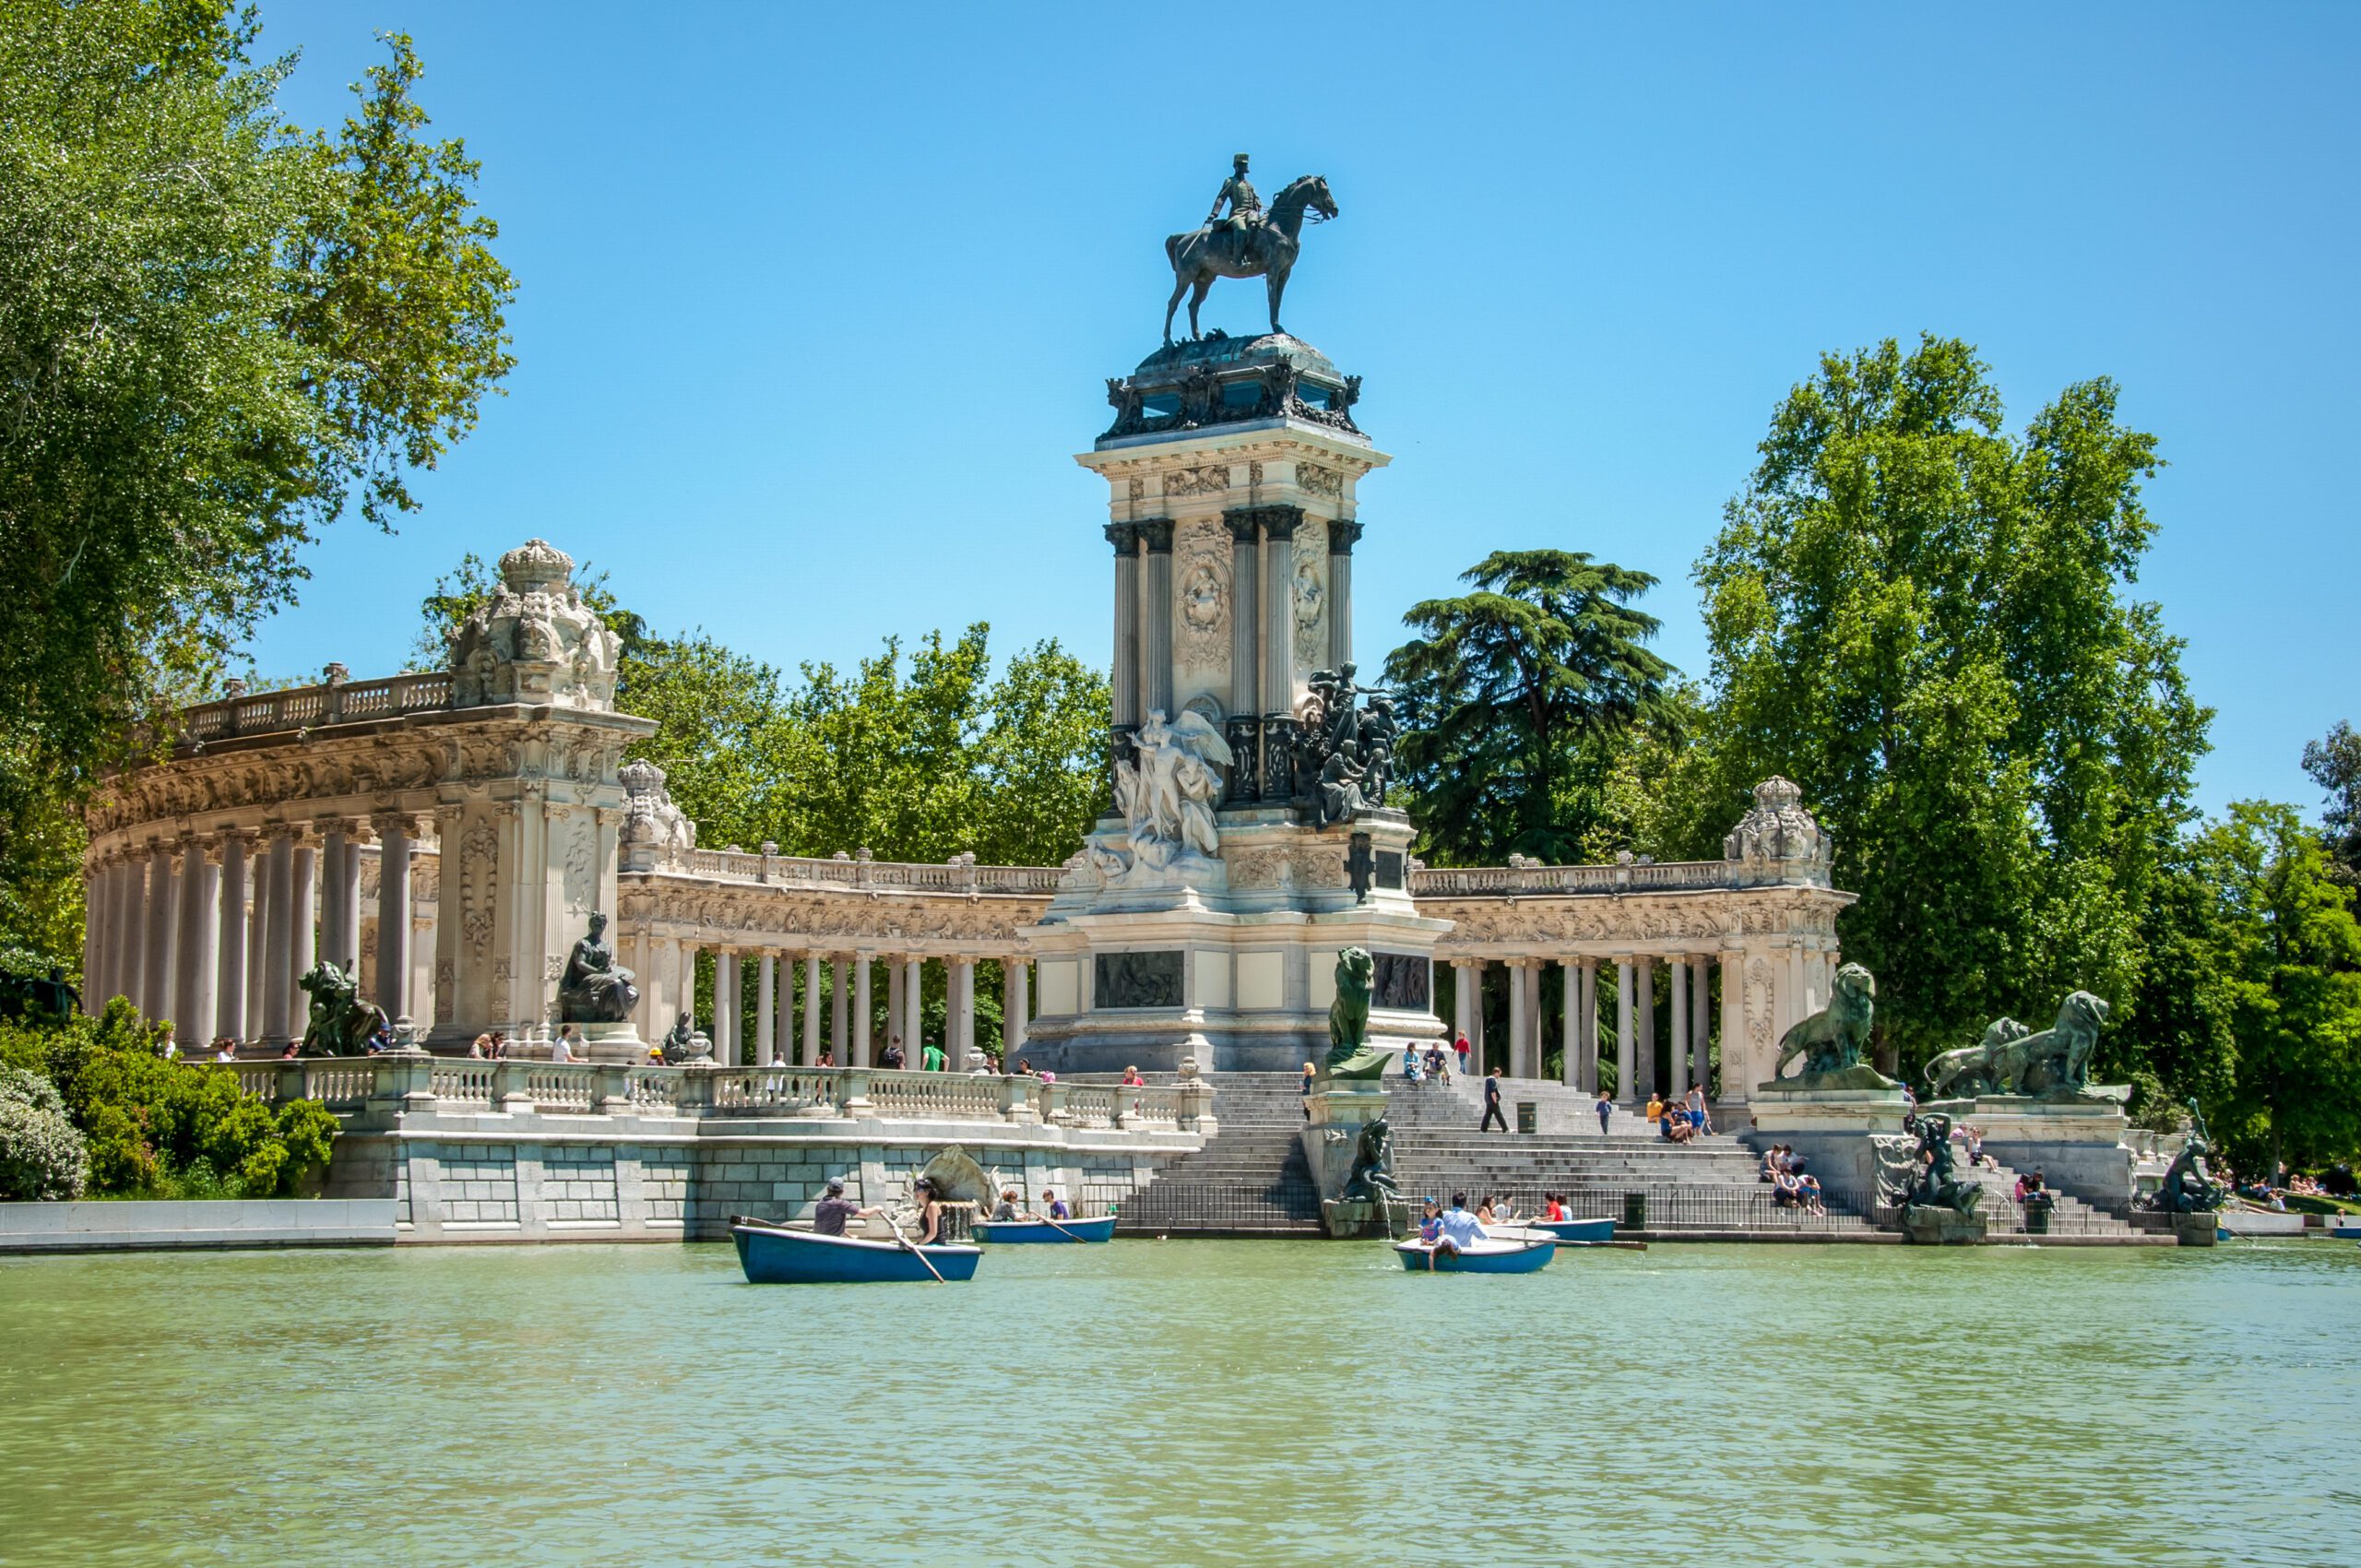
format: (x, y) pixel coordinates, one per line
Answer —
(595, 989)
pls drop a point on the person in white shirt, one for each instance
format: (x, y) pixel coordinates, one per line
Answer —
(227, 1053)
(1460, 1229)
(562, 1048)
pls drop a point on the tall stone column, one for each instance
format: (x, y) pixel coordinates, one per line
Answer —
(1626, 1081)
(1520, 1022)
(1462, 1001)
(339, 945)
(960, 1029)
(1646, 980)
(765, 1008)
(1698, 1045)
(1245, 613)
(1342, 536)
(729, 1008)
(95, 891)
(1156, 536)
(1124, 537)
(230, 977)
(279, 939)
(191, 952)
(1680, 1043)
(1016, 1004)
(1588, 1024)
(303, 924)
(1278, 609)
(393, 845)
(864, 966)
(810, 1056)
(893, 1032)
(156, 967)
(349, 917)
(98, 976)
(840, 1014)
(913, 1002)
(1570, 980)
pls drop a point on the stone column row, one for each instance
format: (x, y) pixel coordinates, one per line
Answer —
(208, 932)
(1635, 1031)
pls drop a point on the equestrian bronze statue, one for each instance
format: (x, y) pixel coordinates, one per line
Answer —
(1250, 243)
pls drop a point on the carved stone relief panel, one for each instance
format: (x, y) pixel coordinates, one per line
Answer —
(1209, 480)
(1308, 581)
(479, 871)
(1201, 580)
(1314, 479)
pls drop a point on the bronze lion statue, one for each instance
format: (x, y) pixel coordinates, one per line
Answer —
(2055, 1063)
(1833, 1038)
(1348, 1053)
(1974, 1069)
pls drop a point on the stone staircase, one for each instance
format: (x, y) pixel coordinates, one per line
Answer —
(1249, 1179)
(2070, 1218)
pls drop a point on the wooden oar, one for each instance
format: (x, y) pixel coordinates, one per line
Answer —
(912, 1248)
(1061, 1230)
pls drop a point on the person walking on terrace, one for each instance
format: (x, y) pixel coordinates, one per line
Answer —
(1606, 1108)
(1493, 1103)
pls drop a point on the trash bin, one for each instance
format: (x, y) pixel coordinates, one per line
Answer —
(2037, 1208)
(1635, 1211)
(1528, 1116)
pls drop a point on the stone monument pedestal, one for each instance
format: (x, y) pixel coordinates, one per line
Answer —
(2077, 1144)
(1924, 1226)
(612, 1043)
(1830, 1127)
(1350, 1220)
(2202, 1230)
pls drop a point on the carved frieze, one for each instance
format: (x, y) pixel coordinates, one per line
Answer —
(1315, 480)
(1309, 580)
(1211, 478)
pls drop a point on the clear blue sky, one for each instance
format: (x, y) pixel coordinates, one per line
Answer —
(816, 303)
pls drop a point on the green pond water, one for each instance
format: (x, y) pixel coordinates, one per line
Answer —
(1186, 1402)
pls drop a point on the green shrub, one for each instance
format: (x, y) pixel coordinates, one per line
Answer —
(167, 1129)
(41, 1155)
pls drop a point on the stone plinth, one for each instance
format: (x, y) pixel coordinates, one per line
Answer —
(1925, 1226)
(2077, 1144)
(1829, 1128)
(1345, 1106)
(1348, 1218)
(2197, 1229)
(612, 1043)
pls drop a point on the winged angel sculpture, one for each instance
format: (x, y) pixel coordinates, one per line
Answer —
(1168, 789)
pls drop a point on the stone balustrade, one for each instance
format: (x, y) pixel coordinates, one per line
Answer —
(857, 874)
(308, 708)
(1633, 876)
(439, 1084)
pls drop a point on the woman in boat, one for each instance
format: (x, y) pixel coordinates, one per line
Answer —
(1007, 1213)
(930, 1214)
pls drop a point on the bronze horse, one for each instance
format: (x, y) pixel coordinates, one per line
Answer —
(1267, 251)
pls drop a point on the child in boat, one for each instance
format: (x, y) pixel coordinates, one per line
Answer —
(1431, 1223)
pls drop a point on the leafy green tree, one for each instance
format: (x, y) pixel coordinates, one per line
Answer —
(1513, 696)
(2334, 764)
(217, 331)
(1925, 622)
(2289, 949)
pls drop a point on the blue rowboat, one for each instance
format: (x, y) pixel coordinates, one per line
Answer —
(1004, 1231)
(806, 1257)
(1484, 1257)
(2346, 1230)
(1575, 1230)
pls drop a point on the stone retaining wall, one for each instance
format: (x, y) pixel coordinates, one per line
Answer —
(141, 1227)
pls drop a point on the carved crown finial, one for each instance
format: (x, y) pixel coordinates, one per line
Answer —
(1777, 794)
(536, 566)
